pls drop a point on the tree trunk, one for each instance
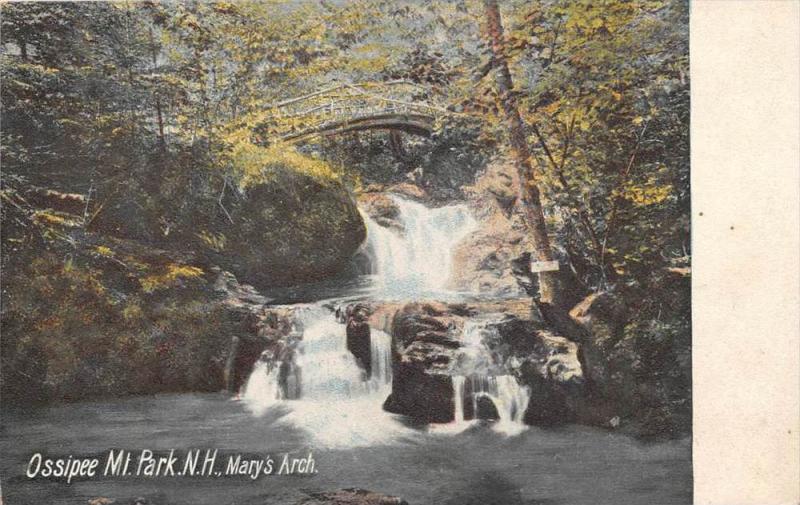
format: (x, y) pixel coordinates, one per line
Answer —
(159, 115)
(529, 197)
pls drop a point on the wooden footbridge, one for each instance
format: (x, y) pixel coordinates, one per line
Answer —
(391, 105)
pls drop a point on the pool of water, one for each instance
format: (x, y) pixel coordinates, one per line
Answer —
(354, 444)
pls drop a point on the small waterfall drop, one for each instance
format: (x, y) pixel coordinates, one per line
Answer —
(261, 389)
(458, 398)
(322, 385)
(482, 381)
(417, 260)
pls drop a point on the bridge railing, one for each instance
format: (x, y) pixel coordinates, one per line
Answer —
(343, 104)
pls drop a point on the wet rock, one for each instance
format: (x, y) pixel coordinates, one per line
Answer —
(431, 319)
(351, 496)
(358, 335)
(484, 261)
(423, 348)
(486, 409)
(262, 330)
(479, 407)
(382, 209)
(547, 363)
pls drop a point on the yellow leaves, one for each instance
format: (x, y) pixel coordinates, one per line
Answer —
(649, 193)
(103, 250)
(132, 312)
(638, 120)
(173, 274)
(51, 217)
(224, 7)
(215, 242)
(256, 163)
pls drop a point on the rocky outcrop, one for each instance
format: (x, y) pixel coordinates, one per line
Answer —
(428, 350)
(284, 232)
(358, 335)
(423, 349)
(484, 262)
(282, 229)
(263, 329)
(548, 364)
(382, 209)
(351, 496)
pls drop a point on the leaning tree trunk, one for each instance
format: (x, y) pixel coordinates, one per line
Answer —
(529, 197)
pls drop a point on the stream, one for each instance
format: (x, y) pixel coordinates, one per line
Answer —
(320, 399)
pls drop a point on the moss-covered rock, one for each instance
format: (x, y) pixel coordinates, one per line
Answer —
(286, 230)
(273, 217)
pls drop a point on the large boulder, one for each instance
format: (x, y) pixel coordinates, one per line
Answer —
(424, 346)
(285, 226)
(430, 348)
(288, 230)
(358, 334)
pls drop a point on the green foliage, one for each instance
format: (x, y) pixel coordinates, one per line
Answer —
(155, 112)
(606, 88)
(78, 329)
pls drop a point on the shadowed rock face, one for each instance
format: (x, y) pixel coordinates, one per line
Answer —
(358, 335)
(483, 408)
(423, 349)
(548, 364)
(427, 343)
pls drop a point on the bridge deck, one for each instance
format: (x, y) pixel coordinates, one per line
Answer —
(392, 105)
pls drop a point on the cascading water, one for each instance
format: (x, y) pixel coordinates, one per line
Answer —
(418, 260)
(483, 382)
(323, 386)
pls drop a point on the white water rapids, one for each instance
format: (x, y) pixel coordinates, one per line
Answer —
(320, 387)
(325, 390)
(417, 263)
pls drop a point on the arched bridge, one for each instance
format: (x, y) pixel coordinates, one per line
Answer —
(391, 105)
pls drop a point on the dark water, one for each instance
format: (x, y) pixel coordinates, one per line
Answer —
(570, 466)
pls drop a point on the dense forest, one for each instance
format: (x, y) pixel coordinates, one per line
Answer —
(146, 149)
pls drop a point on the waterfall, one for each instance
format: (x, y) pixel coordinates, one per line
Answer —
(261, 389)
(481, 378)
(458, 398)
(417, 260)
(325, 368)
(322, 388)
(381, 353)
(322, 368)
(321, 384)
